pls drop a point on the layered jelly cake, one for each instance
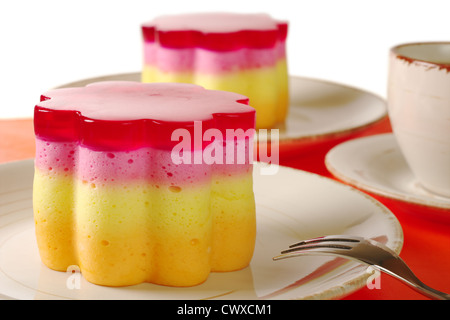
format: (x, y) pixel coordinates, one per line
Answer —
(124, 188)
(243, 53)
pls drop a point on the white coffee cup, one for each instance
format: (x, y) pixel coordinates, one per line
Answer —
(419, 110)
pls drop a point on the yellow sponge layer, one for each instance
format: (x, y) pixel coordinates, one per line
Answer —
(266, 87)
(124, 234)
(53, 199)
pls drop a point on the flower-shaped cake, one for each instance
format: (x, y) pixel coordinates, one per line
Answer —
(123, 189)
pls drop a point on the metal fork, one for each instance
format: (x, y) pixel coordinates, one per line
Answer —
(368, 251)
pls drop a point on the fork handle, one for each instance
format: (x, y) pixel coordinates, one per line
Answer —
(433, 293)
(408, 277)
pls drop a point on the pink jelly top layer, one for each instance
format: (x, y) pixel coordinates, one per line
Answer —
(215, 31)
(121, 115)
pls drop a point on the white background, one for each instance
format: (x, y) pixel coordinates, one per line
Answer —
(46, 43)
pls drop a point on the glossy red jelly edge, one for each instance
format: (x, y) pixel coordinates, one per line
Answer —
(257, 39)
(109, 135)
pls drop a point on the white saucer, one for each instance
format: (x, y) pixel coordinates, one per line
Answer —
(319, 110)
(375, 164)
(291, 205)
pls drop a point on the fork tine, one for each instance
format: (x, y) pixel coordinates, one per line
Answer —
(316, 249)
(313, 246)
(340, 248)
(332, 244)
(331, 238)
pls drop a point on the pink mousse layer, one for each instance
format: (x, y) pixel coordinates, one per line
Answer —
(151, 165)
(124, 116)
(211, 62)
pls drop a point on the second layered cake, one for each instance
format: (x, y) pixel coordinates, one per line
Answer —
(243, 53)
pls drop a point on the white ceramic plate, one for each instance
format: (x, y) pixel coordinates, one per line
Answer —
(291, 205)
(319, 110)
(376, 164)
